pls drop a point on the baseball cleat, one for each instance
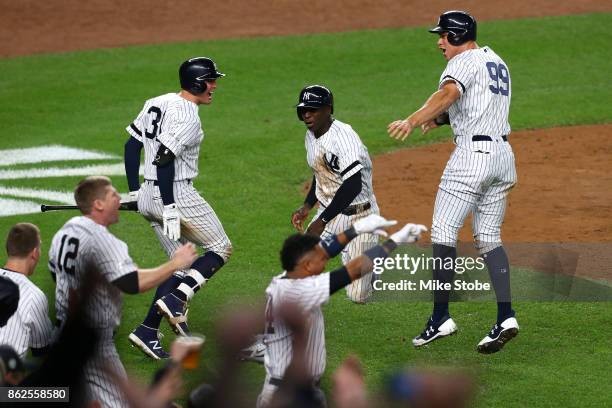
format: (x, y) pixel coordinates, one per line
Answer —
(255, 352)
(499, 335)
(148, 340)
(435, 330)
(175, 311)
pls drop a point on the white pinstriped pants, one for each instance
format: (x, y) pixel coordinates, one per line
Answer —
(199, 223)
(99, 385)
(478, 183)
(360, 290)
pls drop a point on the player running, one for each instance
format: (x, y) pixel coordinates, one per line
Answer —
(475, 89)
(341, 182)
(169, 129)
(304, 284)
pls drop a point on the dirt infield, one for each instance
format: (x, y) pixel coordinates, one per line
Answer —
(560, 194)
(35, 26)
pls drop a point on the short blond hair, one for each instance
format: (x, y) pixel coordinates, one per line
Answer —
(22, 239)
(90, 189)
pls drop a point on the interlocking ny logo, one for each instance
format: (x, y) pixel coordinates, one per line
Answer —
(333, 162)
(18, 200)
(310, 96)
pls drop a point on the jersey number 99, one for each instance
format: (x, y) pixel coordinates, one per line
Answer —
(500, 75)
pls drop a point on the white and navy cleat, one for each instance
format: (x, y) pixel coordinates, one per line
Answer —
(499, 335)
(435, 330)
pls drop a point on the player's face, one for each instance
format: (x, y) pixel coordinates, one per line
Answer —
(111, 203)
(314, 262)
(448, 50)
(316, 119)
(206, 97)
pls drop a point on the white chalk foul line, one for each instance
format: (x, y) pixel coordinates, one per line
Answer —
(50, 153)
(101, 170)
(8, 206)
(63, 197)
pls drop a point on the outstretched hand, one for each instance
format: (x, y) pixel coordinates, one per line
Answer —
(408, 234)
(400, 129)
(373, 224)
(298, 217)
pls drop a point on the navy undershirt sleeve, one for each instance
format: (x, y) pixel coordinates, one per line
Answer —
(350, 188)
(128, 283)
(165, 178)
(338, 279)
(311, 197)
(131, 157)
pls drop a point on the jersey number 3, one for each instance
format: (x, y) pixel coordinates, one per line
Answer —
(154, 123)
(500, 75)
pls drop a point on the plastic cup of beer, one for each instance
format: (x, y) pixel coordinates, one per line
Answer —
(194, 342)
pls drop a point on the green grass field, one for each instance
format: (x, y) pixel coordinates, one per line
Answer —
(253, 168)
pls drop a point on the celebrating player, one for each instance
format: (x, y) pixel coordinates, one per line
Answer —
(341, 182)
(29, 327)
(304, 257)
(84, 244)
(474, 97)
(169, 129)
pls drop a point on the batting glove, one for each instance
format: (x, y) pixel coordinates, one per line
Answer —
(172, 222)
(408, 234)
(373, 224)
(133, 195)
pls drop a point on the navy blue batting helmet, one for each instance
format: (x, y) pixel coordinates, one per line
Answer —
(315, 96)
(460, 26)
(194, 73)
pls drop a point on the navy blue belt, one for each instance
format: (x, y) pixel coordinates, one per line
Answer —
(156, 183)
(485, 138)
(357, 208)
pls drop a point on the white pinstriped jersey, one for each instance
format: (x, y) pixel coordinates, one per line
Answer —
(174, 122)
(336, 156)
(310, 294)
(82, 245)
(30, 326)
(483, 79)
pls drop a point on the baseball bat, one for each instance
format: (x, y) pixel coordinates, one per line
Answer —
(126, 206)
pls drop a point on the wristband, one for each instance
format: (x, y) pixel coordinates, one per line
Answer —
(350, 233)
(381, 251)
(331, 245)
(389, 245)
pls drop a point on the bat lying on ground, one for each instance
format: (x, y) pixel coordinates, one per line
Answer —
(126, 206)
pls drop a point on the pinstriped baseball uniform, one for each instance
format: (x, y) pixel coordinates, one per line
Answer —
(174, 122)
(481, 170)
(333, 158)
(80, 246)
(29, 327)
(309, 294)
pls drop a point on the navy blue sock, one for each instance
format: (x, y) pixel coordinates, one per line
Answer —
(443, 271)
(153, 318)
(206, 265)
(499, 272)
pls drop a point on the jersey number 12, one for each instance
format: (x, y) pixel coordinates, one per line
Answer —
(67, 263)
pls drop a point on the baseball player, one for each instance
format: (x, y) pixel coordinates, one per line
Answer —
(342, 180)
(474, 97)
(29, 327)
(304, 257)
(169, 129)
(9, 300)
(84, 246)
